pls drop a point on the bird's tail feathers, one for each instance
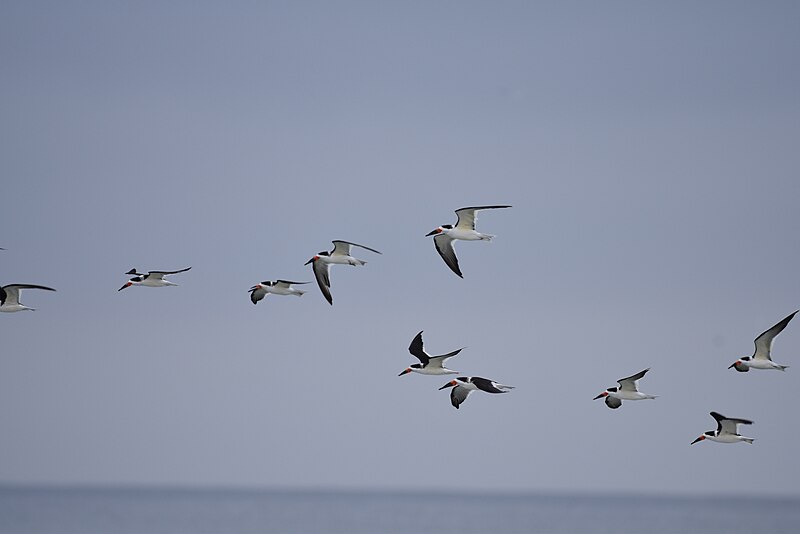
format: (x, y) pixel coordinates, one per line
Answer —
(748, 440)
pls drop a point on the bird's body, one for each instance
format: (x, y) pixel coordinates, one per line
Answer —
(627, 390)
(464, 234)
(151, 278)
(464, 230)
(9, 297)
(761, 364)
(727, 430)
(341, 259)
(340, 255)
(277, 287)
(631, 395)
(428, 370)
(728, 438)
(429, 365)
(762, 357)
(464, 385)
(152, 281)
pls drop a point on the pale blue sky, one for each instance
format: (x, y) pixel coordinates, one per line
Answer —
(650, 151)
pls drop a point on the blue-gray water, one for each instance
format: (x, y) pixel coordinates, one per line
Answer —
(160, 511)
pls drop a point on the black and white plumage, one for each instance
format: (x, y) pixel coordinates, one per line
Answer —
(627, 390)
(429, 365)
(277, 287)
(340, 255)
(9, 297)
(464, 229)
(464, 385)
(727, 430)
(762, 357)
(151, 279)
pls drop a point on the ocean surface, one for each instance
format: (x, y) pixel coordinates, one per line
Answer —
(178, 511)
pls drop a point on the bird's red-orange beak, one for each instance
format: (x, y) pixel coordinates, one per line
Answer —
(603, 394)
(406, 371)
(701, 438)
(129, 284)
(450, 384)
(434, 232)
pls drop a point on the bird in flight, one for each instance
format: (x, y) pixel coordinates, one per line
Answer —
(151, 279)
(761, 358)
(9, 297)
(278, 287)
(464, 229)
(464, 385)
(340, 255)
(428, 365)
(627, 390)
(727, 430)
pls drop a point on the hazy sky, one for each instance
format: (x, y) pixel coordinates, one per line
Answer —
(650, 151)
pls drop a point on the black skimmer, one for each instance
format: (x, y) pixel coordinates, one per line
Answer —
(464, 230)
(429, 365)
(727, 431)
(9, 297)
(340, 255)
(464, 385)
(626, 391)
(278, 287)
(761, 358)
(151, 279)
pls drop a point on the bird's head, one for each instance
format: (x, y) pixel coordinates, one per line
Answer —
(605, 393)
(450, 384)
(739, 366)
(410, 368)
(441, 229)
(435, 232)
(317, 256)
(127, 284)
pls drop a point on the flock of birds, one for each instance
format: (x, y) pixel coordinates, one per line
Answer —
(727, 430)
(444, 238)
